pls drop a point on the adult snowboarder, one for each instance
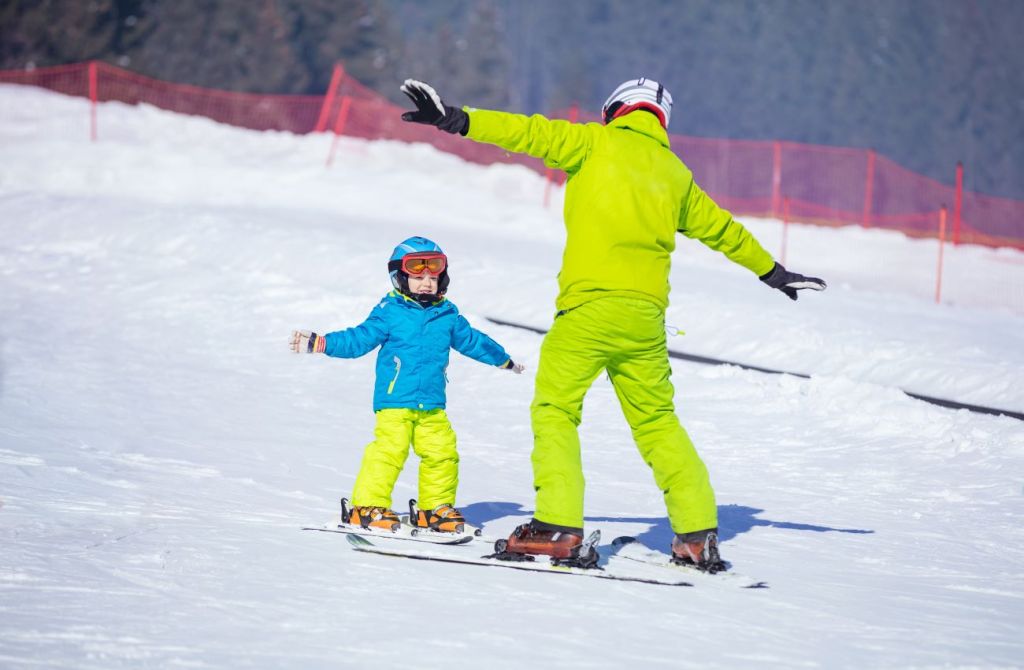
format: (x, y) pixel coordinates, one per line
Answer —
(626, 197)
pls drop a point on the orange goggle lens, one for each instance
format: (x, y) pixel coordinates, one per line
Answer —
(417, 264)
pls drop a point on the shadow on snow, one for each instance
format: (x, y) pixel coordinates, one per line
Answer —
(733, 520)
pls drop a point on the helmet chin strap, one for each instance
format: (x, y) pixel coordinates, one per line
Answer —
(400, 281)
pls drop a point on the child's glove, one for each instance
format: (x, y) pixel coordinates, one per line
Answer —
(305, 342)
(514, 367)
(431, 110)
(791, 282)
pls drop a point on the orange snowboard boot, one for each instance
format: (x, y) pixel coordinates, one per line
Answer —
(378, 518)
(443, 518)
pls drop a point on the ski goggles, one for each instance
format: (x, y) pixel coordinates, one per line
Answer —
(424, 263)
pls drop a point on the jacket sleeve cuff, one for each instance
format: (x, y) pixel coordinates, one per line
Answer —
(764, 277)
(764, 266)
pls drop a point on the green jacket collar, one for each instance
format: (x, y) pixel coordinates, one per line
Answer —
(644, 123)
(398, 295)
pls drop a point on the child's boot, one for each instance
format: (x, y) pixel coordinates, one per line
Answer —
(380, 518)
(443, 518)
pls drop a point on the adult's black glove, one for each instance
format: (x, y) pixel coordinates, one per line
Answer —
(431, 110)
(790, 282)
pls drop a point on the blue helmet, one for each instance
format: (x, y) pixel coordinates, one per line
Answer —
(414, 245)
(400, 279)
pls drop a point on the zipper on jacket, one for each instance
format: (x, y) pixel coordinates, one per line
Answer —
(398, 369)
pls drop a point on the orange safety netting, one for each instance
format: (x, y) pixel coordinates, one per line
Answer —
(810, 183)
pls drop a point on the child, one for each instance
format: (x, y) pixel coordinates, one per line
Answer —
(414, 326)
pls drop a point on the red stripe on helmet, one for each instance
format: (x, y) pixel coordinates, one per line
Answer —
(649, 106)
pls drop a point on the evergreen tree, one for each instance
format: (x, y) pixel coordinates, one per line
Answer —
(359, 33)
(485, 63)
(233, 45)
(926, 82)
(42, 33)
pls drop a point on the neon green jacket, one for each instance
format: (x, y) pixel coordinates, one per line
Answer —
(626, 197)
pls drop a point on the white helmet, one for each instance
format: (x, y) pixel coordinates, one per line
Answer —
(639, 93)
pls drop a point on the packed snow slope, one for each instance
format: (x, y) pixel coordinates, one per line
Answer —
(160, 447)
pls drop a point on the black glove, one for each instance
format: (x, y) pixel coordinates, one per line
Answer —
(431, 110)
(790, 282)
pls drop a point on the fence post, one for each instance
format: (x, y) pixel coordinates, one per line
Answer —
(958, 201)
(942, 240)
(869, 185)
(332, 91)
(776, 176)
(93, 86)
(339, 126)
(785, 228)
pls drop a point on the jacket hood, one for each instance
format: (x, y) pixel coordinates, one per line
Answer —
(645, 123)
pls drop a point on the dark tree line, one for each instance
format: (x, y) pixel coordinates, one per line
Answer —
(259, 46)
(925, 82)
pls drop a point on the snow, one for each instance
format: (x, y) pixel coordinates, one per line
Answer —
(160, 448)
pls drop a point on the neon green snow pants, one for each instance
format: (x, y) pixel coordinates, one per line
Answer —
(626, 336)
(432, 439)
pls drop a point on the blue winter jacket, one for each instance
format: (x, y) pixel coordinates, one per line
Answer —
(414, 344)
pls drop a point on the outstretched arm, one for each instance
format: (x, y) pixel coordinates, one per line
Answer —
(348, 343)
(560, 144)
(469, 341)
(704, 220)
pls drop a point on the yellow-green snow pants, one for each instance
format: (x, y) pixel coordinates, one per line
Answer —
(433, 440)
(626, 337)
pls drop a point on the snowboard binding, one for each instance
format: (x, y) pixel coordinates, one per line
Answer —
(370, 518)
(702, 555)
(441, 519)
(583, 555)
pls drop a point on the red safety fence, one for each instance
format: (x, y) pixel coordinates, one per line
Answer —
(818, 184)
(841, 186)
